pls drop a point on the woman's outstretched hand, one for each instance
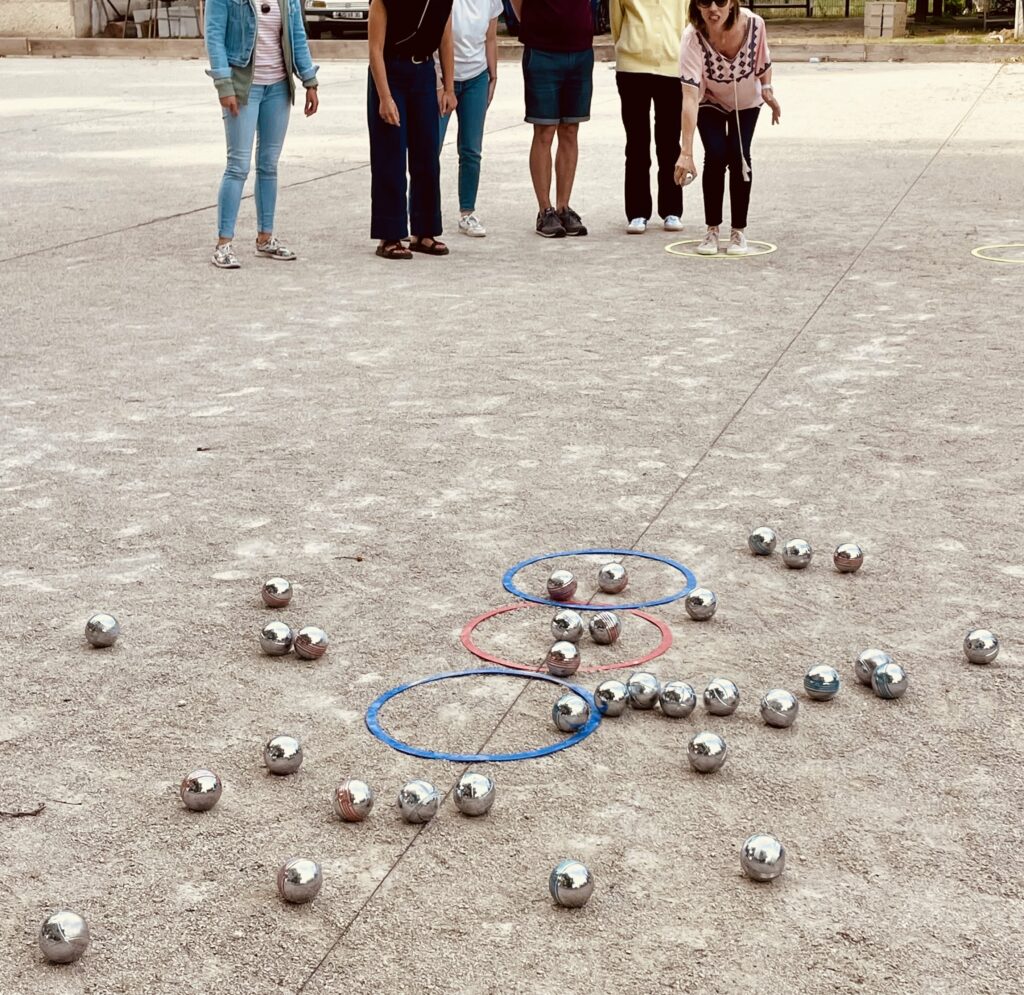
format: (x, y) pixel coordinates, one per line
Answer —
(686, 170)
(776, 109)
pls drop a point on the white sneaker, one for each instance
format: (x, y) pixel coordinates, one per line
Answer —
(673, 223)
(637, 226)
(737, 243)
(224, 257)
(273, 249)
(709, 244)
(470, 225)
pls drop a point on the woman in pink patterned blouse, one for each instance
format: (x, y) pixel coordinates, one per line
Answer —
(726, 73)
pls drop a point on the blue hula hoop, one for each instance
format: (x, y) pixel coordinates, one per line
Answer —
(508, 581)
(373, 720)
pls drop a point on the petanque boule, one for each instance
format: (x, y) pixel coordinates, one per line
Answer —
(276, 639)
(761, 542)
(797, 553)
(889, 680)
(643, 689)
(605, 628)
(571, 884)
(779, 708)
(563, 659)
(200, 790)
(282, 755)
(701, 604)
(561, 585)
(418, 802)
(570, 713)
(821, 682)
(612, 578)
(276, 592)
(721, 696)
(63, 937)
(848, 557)
(352, 800)
(102, 630)
(706, 752)
(474, 793)
(310, 642)
(611, 698)
(981, 646)
(677, 699)
(567, 625)
(866, 662)
(762, 857)
(299, 881)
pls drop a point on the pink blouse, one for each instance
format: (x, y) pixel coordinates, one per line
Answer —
(726, 84)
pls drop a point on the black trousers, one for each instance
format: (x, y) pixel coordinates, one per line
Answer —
(636, 92)
(722, 150)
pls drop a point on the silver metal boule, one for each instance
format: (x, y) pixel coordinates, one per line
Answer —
(283, 755)
(701, 604)
(677, 699)
(102, 630)
(981, 646)
(848, 557)
(276, 593)
(567, 625)
(63, 937)
(721, 696)
(571, 884)
(300, 880)
(612, 578)
(706, 752)
(474, 793)
(563, 659)
(643, 690)
(761, 542)
(570, 713)
(779, 708)
(611, 698)
(418, 801)
(353, 800)
(762, 857)
(605, 628)
(200, 790)
(561, 585)
(276, 638)
(821, 682)
(866, 662)
(310, 642)
(889, 681)
(797, 553)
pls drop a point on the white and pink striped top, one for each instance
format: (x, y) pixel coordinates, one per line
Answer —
(269, 65)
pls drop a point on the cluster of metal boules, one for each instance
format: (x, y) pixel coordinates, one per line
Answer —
(847, 557)
(277, 638)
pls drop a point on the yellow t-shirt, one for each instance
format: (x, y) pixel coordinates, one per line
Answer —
(647, 34)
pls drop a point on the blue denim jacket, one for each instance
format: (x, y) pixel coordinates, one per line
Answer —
(230, 31)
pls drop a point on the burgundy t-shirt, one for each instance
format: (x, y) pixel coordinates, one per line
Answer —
(557, 25)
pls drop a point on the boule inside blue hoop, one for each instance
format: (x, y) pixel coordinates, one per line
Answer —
(373, 719)
(508, 581)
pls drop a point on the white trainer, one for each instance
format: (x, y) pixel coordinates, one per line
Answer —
(737, 243)
(224, 257)
(673, 223)
(273, 249)
(637, 226)
(470, 225)
(709, 244)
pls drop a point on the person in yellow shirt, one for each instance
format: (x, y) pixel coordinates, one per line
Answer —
(647, 34)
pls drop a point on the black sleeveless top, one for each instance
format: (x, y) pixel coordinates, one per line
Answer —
(415, 27)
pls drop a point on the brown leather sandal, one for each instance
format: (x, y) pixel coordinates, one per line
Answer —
(393, 250)
(428, 245)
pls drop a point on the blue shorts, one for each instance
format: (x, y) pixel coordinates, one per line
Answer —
(559, 85)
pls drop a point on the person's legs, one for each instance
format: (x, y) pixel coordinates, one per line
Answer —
(543, 74)
(424, 164)
(389, 215)
(668, 111)
(271, 128)
(635, 101)
(540, 163)
(739, 149)
(472, 111)
(240, 133)
(574, 103)
(566, 158)
(711, 125)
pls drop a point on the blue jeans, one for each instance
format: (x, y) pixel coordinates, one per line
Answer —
(264, 115)
(471, 111)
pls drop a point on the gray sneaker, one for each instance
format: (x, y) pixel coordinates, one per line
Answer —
(224, 257)
(572, 222)
(273, 249)
(549, 225)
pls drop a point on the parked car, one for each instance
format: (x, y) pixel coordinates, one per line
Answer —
(335, 16)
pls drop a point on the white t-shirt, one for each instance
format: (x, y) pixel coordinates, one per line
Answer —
(470, 21)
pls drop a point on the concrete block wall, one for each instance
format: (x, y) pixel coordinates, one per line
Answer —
(45, 18)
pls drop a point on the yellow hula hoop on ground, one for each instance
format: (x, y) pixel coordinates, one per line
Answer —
(675, 250)
(983, 252)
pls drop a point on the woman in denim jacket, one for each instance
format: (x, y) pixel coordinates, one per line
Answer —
(256, 47)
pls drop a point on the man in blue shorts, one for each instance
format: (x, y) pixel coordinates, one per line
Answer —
(558, 72)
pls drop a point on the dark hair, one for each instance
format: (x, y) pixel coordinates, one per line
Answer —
(696, 18)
